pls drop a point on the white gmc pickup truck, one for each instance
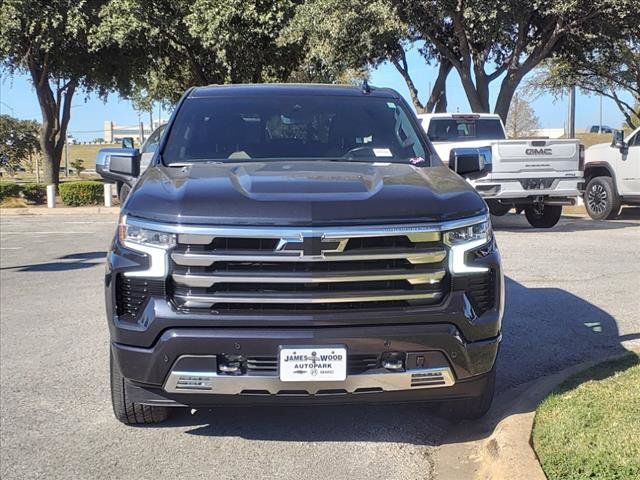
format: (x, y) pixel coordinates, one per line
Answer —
(538, 176)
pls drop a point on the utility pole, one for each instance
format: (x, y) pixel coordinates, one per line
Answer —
(600, 124)
(66, 155)
(571, 120)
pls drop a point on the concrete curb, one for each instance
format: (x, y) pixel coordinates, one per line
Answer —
(499, 446)
(59, 211)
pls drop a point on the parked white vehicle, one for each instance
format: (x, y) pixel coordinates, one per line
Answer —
(538, 176)
(612, 176)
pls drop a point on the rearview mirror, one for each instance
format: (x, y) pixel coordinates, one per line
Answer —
(118, 164)
(470, 162)
(127, 142)
(618, 140)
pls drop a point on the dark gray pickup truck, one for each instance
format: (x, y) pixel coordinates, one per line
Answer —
(300, 244)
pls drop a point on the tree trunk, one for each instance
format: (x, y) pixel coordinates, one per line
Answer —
(56, 112)
(507, 90)
(438, 99)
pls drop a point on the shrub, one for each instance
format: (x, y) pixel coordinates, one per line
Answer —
(76, 194)
(9, 189)
(34, 192)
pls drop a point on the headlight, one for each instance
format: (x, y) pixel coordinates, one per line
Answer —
(142, 236)
(472, 233)
(463, 239)
(153, 243)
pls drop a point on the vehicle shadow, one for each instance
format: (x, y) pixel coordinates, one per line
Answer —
(545, 330)
(512, 222)
(74, 261)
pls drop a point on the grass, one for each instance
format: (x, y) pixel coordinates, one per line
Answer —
(87, 153)
(590, 427)
(593, 138)
(13, 202)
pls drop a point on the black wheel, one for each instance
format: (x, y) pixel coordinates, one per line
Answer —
(472, 408)
(601, 200)
(131, 413)
(498, 209)
(543, 216)
(123, 192)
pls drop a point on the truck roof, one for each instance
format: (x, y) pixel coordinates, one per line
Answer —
(290, 89)
(427, 116)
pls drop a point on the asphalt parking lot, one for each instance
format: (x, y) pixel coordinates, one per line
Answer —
(573, 293)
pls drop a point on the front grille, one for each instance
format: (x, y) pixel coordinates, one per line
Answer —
(307, 273)
(132, 294)
(481, 291)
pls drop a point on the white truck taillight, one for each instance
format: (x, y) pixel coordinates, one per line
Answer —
(581, 157)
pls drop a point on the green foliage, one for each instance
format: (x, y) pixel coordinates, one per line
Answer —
(182, 43)
(77, 166)
(34, 192)
(8, 190)
(610, 67)
(80, 193)
(18, 141)
(590, 427)
(50, 41)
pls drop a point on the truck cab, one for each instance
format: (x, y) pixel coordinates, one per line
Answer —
(612, 176)
(537, 175)
(300, 244)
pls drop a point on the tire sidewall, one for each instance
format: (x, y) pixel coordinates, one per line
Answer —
(550, 216)
(124, 193)
(607, 185)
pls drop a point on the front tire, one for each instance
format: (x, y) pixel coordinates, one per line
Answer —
(131, 413)
(123, 192)
(601, 200)
(543, 216)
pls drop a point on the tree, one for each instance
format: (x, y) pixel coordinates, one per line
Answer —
(504, 40)
(177, 44)
(522, 120)
(18, 141)
(77, 165)
(610, 68)
(49, 40)
(361, 34)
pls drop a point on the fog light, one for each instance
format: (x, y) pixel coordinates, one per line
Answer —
(231, 364)
(393, 361)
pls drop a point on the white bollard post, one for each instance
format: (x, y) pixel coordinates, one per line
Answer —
(107, 194)
(51, 196)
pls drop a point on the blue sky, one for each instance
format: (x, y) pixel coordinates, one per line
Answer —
(17, 98)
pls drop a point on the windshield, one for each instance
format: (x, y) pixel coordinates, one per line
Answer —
(293, 127)
(454, 129)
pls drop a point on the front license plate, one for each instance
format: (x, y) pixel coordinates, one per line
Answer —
(313, 364)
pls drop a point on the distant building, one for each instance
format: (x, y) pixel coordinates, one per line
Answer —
(115, 133)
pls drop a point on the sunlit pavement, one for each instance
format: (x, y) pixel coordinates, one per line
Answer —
(572, 295)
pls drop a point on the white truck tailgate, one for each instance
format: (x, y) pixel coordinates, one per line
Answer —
(517, 156)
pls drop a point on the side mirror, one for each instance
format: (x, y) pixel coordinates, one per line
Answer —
(127, 142)
(118, 164)
(618, 140)
(470, 162)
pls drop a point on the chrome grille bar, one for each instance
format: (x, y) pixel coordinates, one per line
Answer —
(208, 301)
(414, 278)
(191, 259)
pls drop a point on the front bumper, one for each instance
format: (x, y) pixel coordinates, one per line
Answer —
(451, 365)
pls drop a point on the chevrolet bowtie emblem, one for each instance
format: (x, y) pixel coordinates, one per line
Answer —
(312, 246)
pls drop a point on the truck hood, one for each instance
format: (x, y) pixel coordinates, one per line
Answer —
(309, 193)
